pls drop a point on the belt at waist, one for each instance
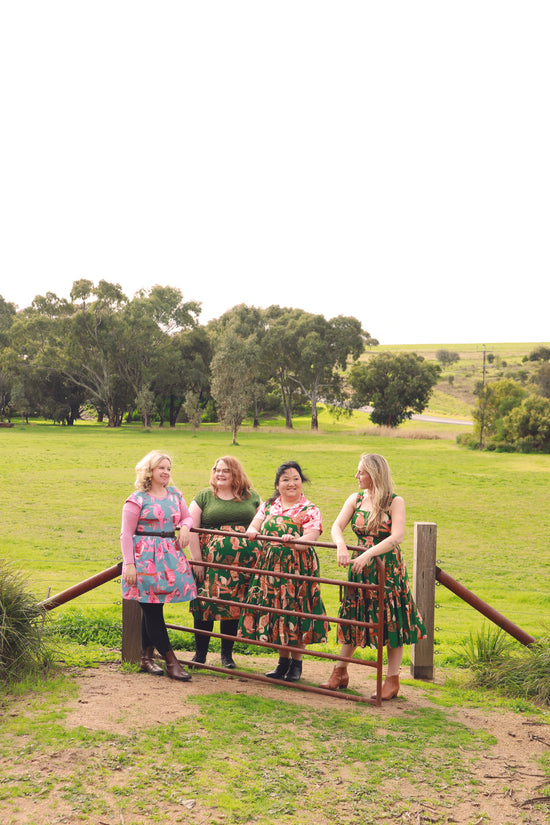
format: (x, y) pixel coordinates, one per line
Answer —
(163, 535)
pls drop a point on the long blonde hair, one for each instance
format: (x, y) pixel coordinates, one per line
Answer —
(145, 467)
(382, 488)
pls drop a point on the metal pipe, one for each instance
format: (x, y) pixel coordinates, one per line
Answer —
(83, 587)
(483, 608)
(256, 677)
(316, 654)
(282, 574)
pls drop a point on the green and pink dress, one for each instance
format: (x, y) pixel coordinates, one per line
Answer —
(403, 621)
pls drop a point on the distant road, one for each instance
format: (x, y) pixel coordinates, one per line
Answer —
(431, 418)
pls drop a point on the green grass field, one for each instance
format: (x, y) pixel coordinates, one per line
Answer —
(62, 490)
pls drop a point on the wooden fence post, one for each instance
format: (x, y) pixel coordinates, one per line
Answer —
(131, 631)
(424, 569)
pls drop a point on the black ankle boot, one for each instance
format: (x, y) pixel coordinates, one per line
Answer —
(227, 651)
(294, 672)
(229, 627)
(202, 644)
(282, 667)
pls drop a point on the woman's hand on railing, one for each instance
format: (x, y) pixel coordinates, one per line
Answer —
(251, 534)
(129, 574)
(198, 571)
(183, 539)
(343, 557)
(361, 561)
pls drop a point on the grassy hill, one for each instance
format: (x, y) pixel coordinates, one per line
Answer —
(454, 394)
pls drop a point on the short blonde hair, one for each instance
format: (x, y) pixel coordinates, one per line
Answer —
(240, 483)
(382, 488)
(145, 467)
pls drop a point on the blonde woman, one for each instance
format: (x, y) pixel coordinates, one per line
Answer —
(377, 518)
(155, 569)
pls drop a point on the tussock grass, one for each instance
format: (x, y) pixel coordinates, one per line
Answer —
(512, 669)
(23, 649)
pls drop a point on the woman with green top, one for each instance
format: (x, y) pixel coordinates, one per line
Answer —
(229, 503)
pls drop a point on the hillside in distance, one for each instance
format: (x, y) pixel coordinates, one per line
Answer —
(454, 394)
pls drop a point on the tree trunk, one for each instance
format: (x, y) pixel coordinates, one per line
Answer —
(314, 416)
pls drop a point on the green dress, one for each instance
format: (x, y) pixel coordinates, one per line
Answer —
(403, 621)
(286, 594)
(219, 514)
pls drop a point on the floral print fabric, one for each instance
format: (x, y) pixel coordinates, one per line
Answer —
(403, 622)
(282, 593)
(163, 572)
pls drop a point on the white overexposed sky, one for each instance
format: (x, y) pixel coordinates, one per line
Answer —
(386, 160)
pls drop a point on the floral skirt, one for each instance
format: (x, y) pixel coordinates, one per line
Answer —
(229, 585)
(273, 591)
(403, 622)
(163, 572)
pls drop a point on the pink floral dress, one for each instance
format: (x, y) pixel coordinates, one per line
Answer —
(163, 572)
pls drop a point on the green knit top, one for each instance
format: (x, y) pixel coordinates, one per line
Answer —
(216, 512)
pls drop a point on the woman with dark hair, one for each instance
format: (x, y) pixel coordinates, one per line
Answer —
(287, 515)
(227, 504)
(155, 569)
(377, 518)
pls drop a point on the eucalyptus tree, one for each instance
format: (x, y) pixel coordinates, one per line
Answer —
(183, 368)
(7, 357)
(280, 347)
(309, 353)
(149, 324)
(396, 386)
(32, 338)
(323, 349)
(232, 371)
(89, 353)
(249, 324)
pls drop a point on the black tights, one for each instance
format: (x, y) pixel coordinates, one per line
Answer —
(227, 626)
(153, 628)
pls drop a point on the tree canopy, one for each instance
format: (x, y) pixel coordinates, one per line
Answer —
(396, 386)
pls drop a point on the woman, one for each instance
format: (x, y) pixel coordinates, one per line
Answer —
(288, 515)
(377, 518)
(155, 569)
(228, 504)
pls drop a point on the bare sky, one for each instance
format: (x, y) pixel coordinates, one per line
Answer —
(388, 161)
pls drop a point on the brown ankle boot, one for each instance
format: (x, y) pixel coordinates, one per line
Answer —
(148, 664)
(390, 688)
(338, 680)
(173, 668)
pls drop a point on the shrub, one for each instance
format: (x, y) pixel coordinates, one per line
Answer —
(498, 663)
(527, 427)
(23, 649)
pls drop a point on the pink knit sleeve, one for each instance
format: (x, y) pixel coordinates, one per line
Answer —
(130, 516)
(185, 516)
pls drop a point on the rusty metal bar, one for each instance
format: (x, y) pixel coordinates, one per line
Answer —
(280, 612)
(380, 593)
(256, 677)
(483, 608)
(83, 587)
(316, 654)
(281, 573)
(273, 539)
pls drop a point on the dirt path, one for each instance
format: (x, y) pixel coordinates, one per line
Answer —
(509, 774)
